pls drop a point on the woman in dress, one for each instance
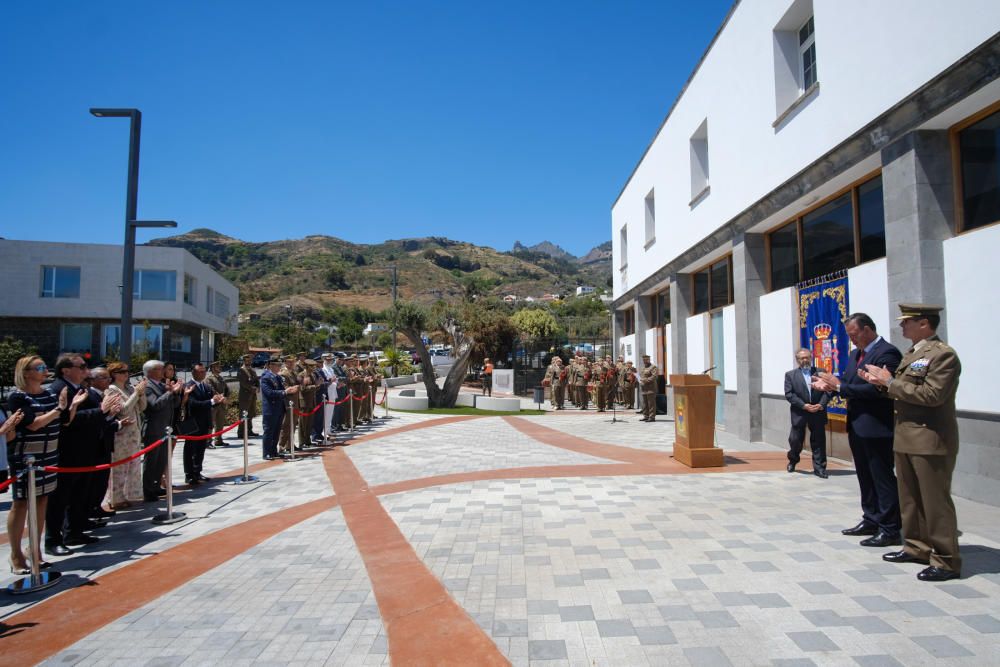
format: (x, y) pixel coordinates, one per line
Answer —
(37, 435)
(126, 479)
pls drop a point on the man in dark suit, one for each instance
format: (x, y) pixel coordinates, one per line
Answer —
(201, 400)
(869, 432)
(808, 408)
(161, 401)
(81, 441)
(273, 393)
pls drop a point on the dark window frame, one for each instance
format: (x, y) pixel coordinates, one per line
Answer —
(707, 270)
(853, 189)
(956, 166)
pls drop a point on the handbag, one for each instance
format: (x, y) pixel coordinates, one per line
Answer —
(187, 425)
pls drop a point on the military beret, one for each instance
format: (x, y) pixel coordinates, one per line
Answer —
(289, 357)
(917, 310)
(309, 362)
(274, 360)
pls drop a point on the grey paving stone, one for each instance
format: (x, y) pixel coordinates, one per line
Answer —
(769, 600)
(719, 555)
(870, 625)
(705, 568)
(981, 623)
(646, 564)
(865, 576)
(962, 591)
(812, 641)
(875, 603)
(568, 580)
(941, 647)
(877, 661)
(380, 646)
(717, 619)
(510, 628)
(819, 587)
(825, 618)
(793, 662)
(734, 599)
(635, 596)
(542, 607)
(508, 592)
(547, 649)
(658, 635)
(576, 613)
(367, 612)
(920, 608)
(611, 553)
(677, 612)
(804, 557)
(707, 656)
(615, 627)
(694, 584)
(593, 573)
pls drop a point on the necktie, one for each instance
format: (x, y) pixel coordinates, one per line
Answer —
(861, 357)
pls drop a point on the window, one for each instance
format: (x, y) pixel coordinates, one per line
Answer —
(180, 343)
(221, 305)
(650, 219)
(623, 247)
(828, 238)
(209, 300)
(155, 285)
(660, 309)
(713, 286)
(75, 338)
(190, 290)
(979, 161)
(626, 320)
(145, 340)
(807, 55)
(795, 73)
(699, 163)
(839, 234)
(61, 282)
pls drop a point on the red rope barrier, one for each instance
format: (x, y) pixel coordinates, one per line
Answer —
(4, 485)
(106, 466)
(384, 394)
(340, 402)
(360, 398)
(308, 414)
(210, 435)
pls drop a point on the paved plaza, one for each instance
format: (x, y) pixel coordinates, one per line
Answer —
(559, 539)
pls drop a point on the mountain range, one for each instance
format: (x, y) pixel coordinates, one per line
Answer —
(320, 272)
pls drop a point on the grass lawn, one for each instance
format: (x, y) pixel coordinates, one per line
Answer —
(463, 410)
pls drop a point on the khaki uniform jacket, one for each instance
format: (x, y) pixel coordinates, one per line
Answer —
(647, 379)
(552, 375)
(217, 384)
(249, 384)
(581, 375)
(924, 391)
(290, 380)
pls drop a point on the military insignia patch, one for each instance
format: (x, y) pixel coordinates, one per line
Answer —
(920, 364)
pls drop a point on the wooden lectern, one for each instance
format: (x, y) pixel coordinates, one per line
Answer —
(694, 421)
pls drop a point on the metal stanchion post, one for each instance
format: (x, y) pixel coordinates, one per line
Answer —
(247, 478)
(38, 580)
(291, 430)
(170, 516)
(350, 404)
(385, 399)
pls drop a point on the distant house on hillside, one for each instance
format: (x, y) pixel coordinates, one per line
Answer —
(546, 298)
(510, 298)
(373, 328)
(529, 299)
(581, 290)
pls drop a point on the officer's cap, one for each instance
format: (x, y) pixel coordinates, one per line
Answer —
(918, 310)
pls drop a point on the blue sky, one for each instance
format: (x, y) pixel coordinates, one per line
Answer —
(482, 122)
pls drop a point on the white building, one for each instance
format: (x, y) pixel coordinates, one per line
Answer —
(66, 297)
(584, 289)
(817, 136)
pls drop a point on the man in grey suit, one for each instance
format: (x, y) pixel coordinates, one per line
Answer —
(808, 408)
(161, 400)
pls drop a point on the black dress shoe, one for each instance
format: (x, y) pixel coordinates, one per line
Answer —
(191, 481)
(57, 550)
(202, 478)
(150, 497)
(80, 539)
(937, 574)
(822, 474)
(94, 524)
(790, 467)
(902, 556)
(102, 513)
(862, 528)
(883, 539)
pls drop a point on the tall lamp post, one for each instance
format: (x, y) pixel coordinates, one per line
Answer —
(131, 205)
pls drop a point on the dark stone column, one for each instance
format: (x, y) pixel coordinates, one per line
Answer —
(749, 283)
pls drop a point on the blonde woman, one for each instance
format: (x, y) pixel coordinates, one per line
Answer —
(126, 480)
(38, 436)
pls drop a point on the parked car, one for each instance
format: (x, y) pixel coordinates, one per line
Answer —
(260, 359)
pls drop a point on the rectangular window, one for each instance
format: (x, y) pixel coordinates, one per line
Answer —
(221, 305)
(75, 338)
(623, 247)
(626, 320)
(60, 282)
(828, 238)
(699, 163)
(979, 161)
(180, 343)
(807, 55)
(659, 306)
(145, 340)
(871, 220)
(209, 300)
(713, 286)
(155, 285)
(190, 290)
(650, 219)
(836, 236)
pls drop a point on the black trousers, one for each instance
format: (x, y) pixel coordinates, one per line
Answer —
(873, 461)
(817, 440)
(272, 429)
(68, 506)
(194, 456)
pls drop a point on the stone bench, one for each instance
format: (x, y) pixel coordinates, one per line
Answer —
(498, 404)
(413, 393)
(407, 402)
(466, 400)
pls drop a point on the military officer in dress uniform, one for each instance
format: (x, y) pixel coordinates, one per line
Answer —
(219, 386)
(554, 376)
(926, 443)
(647, 383)
(629, 382)
(249, 385)
(580, 383)
(288, 376)
(307, 402)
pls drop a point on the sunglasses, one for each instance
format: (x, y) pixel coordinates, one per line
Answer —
(125, 371)
(41, 368)
(79, 365)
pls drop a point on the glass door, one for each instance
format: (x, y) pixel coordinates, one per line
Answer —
(719, 361)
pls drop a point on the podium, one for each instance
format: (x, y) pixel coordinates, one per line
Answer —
(694, 421)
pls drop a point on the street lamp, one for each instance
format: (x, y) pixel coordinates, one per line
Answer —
(131, 205)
